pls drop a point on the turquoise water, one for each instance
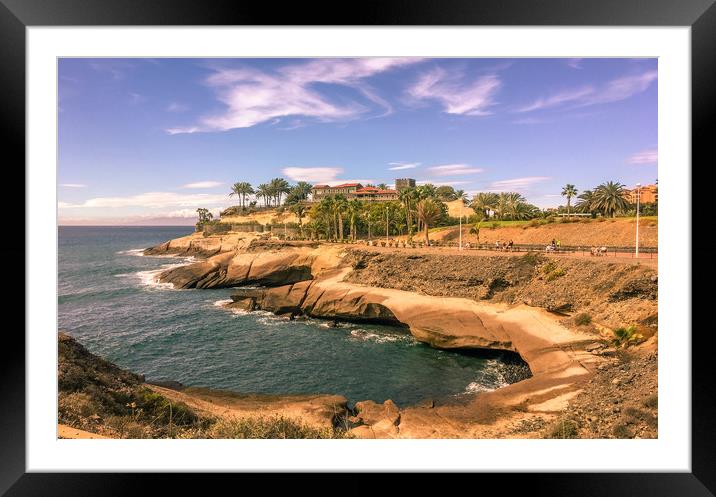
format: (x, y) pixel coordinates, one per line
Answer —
(108, 299)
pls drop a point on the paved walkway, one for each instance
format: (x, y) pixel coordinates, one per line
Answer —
(619, 257)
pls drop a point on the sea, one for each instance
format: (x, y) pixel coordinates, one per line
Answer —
(110, 300)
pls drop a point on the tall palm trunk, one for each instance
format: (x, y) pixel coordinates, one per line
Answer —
(340, 227)
(427, 238)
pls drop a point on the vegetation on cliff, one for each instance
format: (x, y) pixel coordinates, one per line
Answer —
(99, 397)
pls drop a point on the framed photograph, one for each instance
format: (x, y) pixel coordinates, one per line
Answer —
(419, 239)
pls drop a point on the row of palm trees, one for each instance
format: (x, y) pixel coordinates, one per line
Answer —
(272, 193)
(504, 206)
(417, 210)
(607, 199)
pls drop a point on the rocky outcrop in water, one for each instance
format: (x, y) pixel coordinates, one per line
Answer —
(235, 269)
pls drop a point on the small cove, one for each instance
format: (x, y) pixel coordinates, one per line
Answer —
(109, 301)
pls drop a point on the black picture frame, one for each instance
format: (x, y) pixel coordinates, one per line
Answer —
(16, 15)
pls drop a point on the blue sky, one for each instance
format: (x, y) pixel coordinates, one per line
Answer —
(145, 141)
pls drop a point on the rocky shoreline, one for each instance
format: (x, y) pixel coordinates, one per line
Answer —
(504, 304)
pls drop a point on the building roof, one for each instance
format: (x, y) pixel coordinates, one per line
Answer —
(374, 190)
(344, 185)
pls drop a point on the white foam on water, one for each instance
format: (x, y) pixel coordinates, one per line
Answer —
(491, 374)
(136, 252)
(365, 336)
(233, 310)
(475, 387)
(151, 279)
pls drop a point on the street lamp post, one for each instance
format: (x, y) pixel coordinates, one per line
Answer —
(386, 225)
(638, 186)
(460, 224)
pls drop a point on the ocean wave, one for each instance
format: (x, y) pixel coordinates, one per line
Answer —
(136, 252)
(366, 336)
(222, 302)
(491, 378)
(475, 387)
(151, 279)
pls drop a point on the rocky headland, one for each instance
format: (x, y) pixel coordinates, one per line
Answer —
(527, 305)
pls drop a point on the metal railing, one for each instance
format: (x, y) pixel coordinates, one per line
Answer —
(611, 251)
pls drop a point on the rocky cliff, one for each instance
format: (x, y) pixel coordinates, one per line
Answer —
(488, 304)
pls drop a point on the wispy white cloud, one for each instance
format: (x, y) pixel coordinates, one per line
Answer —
(557, 99)
(454, 170)
(457, 96)
(177, 107)
(322, 175)
(516, 184)
(73, 185)
(531, 120)
(399, 166)
(115, 68)
(575, 63)
(190, 213)
(203, 184)
(151, 200)
(613, 91)
(252, 96)
(443, 183)
(136, 98)
(312, 174)
(649, 156)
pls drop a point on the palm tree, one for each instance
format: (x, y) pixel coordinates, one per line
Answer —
(569, 191)
(340, 206)
(523, 210)
(323, 212)
(355, 210)
(279, 187)
(407, 198)
(609, 198)
(446, 193)
(300, 210)
(484, 202)
(264, 191)
(426, 191)
(301, 190)
(428, 212)
(241, 190)
(586, 202)
(461, 195)
(382, 186)
(514, 205)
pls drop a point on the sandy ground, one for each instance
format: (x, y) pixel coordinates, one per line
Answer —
(64, 431)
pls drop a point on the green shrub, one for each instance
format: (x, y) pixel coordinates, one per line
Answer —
(532, 258)
(557, 273)
(583, 319)
(277, 427)
(163, 411)
(652, 401)
(564, 428)
(621, 430)
(626, 336)
(549, 267)
(495, 225)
